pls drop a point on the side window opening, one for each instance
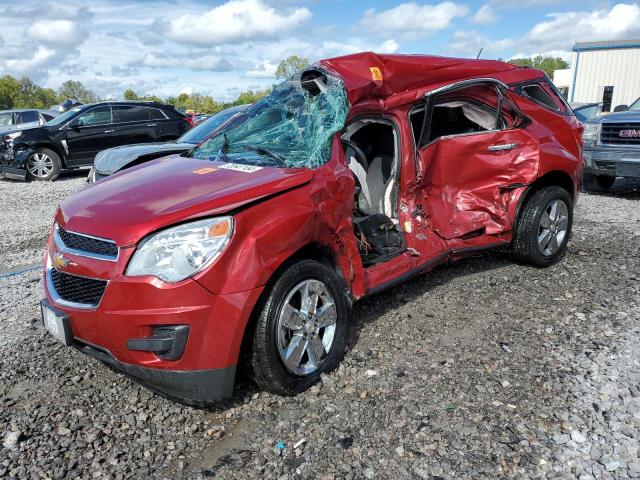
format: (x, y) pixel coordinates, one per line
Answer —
(29, 116)
(475, 109)
(96, 116)
(371, 148)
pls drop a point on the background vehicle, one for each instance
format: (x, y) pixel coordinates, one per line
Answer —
(352, 177)
(115, 159)
(13, 120)
(73, 139)
(612, 146)
(586, 111)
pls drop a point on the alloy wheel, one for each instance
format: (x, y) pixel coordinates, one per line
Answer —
(554, 224)
(306, 327)
(40, 165)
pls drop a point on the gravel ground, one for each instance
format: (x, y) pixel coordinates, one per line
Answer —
(481, 369)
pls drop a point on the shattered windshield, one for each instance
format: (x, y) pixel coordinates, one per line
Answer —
(291, 127)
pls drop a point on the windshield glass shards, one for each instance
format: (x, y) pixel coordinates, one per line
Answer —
(293, 126)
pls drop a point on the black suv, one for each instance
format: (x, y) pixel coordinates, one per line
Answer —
(73, 139)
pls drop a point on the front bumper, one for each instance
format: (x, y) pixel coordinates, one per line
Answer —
(612, 162)
(134, 307)
(13, 166)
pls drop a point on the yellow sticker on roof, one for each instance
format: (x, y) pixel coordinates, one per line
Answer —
(376, 74)
(205, 170)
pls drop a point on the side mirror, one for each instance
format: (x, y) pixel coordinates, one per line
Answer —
(76, 124)
(621, 108)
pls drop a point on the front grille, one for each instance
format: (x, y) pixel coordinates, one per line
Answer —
(611, 133)
(87, 244)
(71, 288)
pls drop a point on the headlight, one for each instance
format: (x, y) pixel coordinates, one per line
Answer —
(180, 252)
(10, 137)
(590, 134)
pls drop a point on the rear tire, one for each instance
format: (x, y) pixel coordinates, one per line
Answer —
(43, 165)
(289, 350)
(544, 227)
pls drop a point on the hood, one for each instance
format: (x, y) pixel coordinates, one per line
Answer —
(9, 128)
(628, 116)
(114, 159)
(128, 205)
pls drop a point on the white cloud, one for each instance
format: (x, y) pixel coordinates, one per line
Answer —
(29, 64)
(389, 46)
(469, 43)
(562, 29)
(54, 32)
(412, 20)
(485, 15)
(190, 60)
(264, 70)
(234, 21)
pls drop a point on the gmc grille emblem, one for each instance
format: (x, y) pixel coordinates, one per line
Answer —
(629, 133)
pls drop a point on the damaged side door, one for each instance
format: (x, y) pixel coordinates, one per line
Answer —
(473, 152)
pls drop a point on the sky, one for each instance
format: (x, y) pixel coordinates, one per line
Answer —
(221, 48)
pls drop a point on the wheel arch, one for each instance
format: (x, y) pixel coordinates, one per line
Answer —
(311, 251)
(554, 178)
(53, 148)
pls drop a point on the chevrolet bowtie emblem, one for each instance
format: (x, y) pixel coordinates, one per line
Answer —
(59, 261)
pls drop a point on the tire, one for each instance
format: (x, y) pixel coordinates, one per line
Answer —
(537, 219)
(43, 165)
(605, 182)
(272, 339)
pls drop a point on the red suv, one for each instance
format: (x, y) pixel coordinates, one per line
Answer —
(352, 177)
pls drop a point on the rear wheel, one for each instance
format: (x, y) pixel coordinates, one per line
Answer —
(544, 227)
(300, 332)
(44, 164)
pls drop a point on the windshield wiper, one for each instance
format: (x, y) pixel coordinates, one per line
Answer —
(264, 151)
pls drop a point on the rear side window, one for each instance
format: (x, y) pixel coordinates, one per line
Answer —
(543, 94)
(130, 113)
(155, 114)
(28, 117)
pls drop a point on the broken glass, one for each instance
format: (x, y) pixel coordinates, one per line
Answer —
(293, 125)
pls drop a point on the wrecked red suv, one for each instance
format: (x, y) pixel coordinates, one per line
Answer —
(357, 174)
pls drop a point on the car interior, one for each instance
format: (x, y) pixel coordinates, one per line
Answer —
(371, 148)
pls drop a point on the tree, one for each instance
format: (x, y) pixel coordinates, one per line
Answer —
(290, 66)
(9, 92)
(130, 95)
(548, 64)
(77, 91)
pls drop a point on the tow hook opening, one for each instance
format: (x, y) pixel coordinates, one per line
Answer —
(167, 342)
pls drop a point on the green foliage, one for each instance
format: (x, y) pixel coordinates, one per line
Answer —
(77, 91)
(548, 64)
(24, 93)
(290, 66)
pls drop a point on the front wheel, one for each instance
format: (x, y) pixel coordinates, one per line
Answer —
(544, 227)
(605, 182)
(44, 164)
(300, 332)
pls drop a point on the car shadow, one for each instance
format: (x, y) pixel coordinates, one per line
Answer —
(371, 308)
(628, 188)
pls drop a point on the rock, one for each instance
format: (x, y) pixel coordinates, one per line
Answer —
(11, 440)
(578, 437)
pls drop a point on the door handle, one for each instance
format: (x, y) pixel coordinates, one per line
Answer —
(502, 147)
(109, 131)
(151, 124)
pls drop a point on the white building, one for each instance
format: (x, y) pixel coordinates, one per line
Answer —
(607, 72)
